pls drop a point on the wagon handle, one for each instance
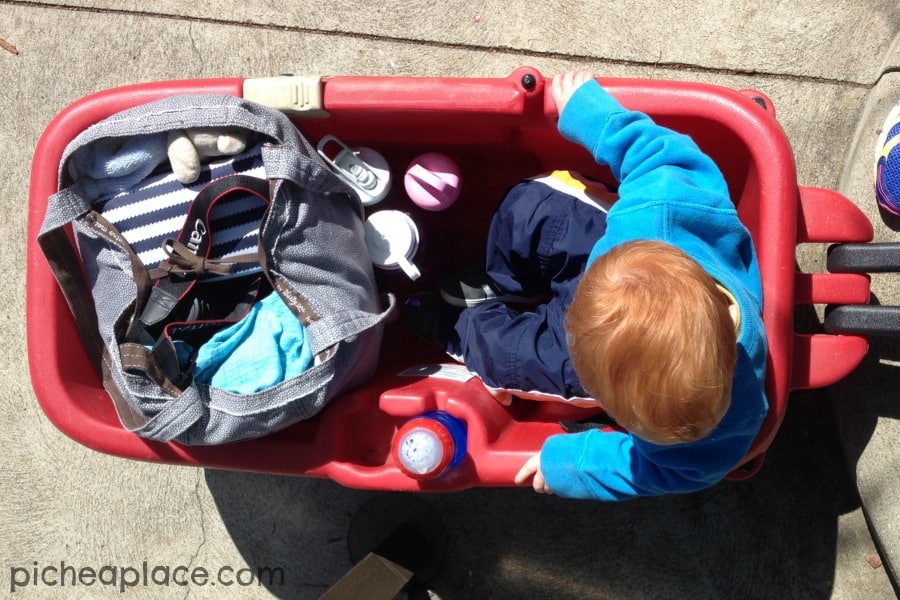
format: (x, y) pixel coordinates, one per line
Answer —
(882, 257)
(821, 359)
(864, 258)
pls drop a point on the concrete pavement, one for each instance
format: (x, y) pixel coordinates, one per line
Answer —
(800, 529)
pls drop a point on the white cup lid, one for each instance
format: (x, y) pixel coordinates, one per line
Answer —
(392, 239)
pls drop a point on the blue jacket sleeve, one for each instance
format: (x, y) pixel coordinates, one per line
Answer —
(614, 465)
(668, 188)
(645, 157)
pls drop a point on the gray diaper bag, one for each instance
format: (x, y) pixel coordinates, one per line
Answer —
(145, 325)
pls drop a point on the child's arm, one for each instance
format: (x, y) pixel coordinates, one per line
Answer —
(669, 190)
(602, 465)
(639, 152)
(607, 466)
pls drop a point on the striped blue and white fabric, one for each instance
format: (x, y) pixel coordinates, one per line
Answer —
(155, 209)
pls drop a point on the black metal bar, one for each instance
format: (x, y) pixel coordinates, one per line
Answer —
(864, 319)
(882, 257)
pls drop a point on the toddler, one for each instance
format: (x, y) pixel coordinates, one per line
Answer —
(652, 308)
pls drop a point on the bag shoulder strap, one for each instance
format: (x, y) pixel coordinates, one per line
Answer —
(67, 268)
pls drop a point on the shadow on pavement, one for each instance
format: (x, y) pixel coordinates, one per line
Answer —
(866, 396)
(772, 536)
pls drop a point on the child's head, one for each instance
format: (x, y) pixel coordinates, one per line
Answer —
(651, 337)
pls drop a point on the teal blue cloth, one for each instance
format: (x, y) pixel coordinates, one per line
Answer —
(266, 347)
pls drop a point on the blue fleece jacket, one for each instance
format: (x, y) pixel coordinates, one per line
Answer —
(669, 191)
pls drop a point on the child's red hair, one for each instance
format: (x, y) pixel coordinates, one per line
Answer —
(651, 337)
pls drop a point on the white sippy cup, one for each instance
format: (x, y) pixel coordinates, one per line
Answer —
(392, 239)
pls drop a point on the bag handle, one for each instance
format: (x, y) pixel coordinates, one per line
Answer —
(69, 274)
(335, 327)
(65, 263)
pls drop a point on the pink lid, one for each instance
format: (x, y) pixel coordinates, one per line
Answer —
(432, 181)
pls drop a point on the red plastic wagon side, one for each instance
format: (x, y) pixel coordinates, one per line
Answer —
(499, 131)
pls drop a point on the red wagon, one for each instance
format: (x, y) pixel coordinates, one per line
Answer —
(499, 131)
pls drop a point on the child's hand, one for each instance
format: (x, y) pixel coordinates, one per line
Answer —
(563, 86)
(533, 467)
